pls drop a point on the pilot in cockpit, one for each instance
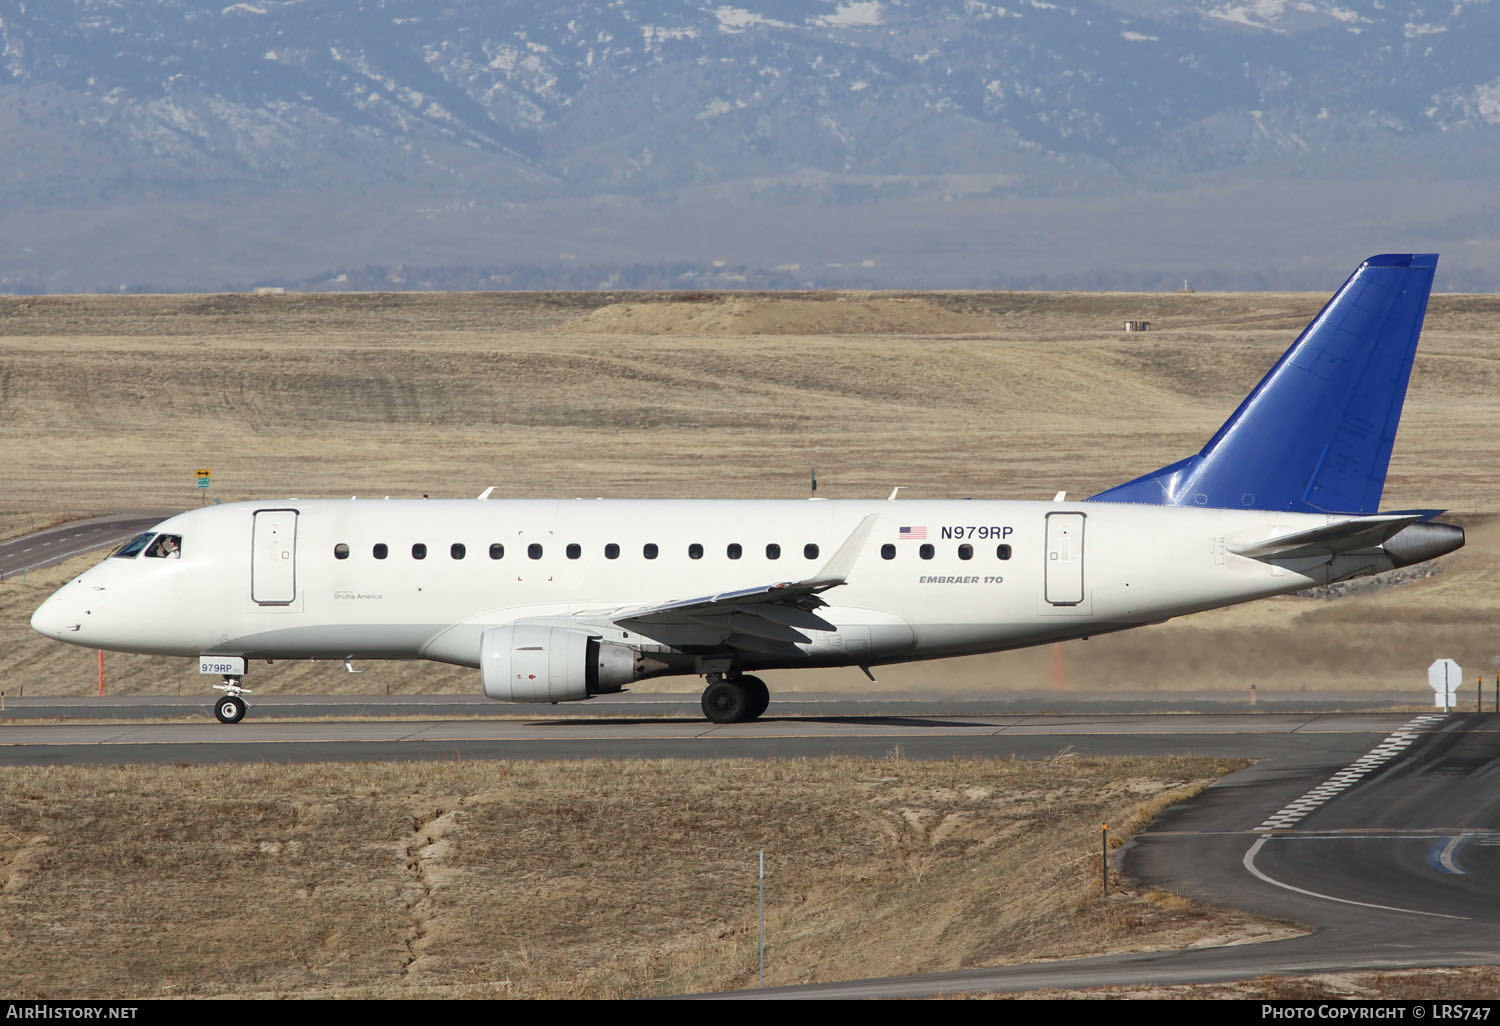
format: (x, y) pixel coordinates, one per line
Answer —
(168, 546)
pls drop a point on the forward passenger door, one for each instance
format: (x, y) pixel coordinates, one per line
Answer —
(273, 557)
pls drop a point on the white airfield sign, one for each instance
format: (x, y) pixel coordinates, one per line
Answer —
(1444, 676)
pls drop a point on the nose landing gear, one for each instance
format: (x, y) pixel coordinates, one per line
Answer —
(231, 707)
(735, 699)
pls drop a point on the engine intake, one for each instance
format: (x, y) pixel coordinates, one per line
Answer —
(533, 663)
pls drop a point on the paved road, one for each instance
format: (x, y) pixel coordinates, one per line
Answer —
(299, 729)
(198, 699)
(19, 556)
(1394, 857)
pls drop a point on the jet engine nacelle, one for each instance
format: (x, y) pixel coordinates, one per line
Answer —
(534, 663)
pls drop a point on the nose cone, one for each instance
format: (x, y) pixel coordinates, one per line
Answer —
(57, 619)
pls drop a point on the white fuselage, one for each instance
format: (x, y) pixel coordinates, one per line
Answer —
(301, 579)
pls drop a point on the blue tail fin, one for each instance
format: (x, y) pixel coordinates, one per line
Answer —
(1315, 435)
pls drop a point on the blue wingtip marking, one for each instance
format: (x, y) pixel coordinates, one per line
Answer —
(1316, 434)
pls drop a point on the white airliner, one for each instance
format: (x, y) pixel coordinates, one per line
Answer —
(559, 600)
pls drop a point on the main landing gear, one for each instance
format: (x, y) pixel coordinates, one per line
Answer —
(230, 708)
(735, 699)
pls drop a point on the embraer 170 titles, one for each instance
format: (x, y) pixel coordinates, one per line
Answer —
(559, 600)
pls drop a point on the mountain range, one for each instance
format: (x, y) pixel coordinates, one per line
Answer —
(399, 144)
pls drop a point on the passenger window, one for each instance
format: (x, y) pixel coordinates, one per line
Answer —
(773, 551)
(534, 551)
(574, 550)
(419, 551)
(810, 551)
(457, 550)
(380, 550)
(611, 551)
(887, 551)
(341, 551)
(1003, 552)
(695, 551)
(166, 546)
(966, 551)
(649, 550)
(927, 551)
(133, 548)
(497, 551)
(734, 551)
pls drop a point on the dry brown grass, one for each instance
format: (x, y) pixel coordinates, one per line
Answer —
(14, 523)
(586, 879)
(111, 402)
(858, 314)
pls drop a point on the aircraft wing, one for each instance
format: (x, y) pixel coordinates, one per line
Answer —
(761, 618)
(1344, 536)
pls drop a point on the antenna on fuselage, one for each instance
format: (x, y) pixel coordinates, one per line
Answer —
(815, 480)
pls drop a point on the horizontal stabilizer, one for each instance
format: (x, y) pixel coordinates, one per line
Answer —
(1344, 536)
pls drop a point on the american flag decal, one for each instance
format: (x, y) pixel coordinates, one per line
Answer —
(914, 533)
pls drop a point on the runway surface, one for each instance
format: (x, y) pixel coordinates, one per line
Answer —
(347, 728)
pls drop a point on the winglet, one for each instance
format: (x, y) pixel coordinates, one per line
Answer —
(836, 570)
(1315, 436)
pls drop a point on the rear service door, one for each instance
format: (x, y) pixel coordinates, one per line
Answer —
(1064, 559)
(273, 557)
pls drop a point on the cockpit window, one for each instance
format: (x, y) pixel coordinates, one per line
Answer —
(166, 546)
(133, 548)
